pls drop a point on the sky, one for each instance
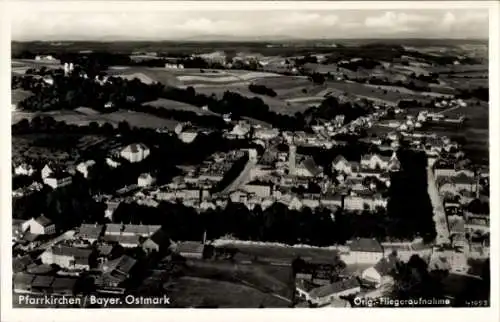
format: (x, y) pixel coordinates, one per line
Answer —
(33, 23)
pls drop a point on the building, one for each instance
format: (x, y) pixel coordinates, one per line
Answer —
(190, 249)
(113, 229)
(364, 251)
(85, 167)
(115, 272)
(47, 170)
(89, 232)
(340, 164)
(135, 152)
(326, 294)
(39, 226)
(308, 168)
(188, 136)
(126, 241)
(67, 257)
(157, 242)
(145, 180)
(375, 161)
(375, 274)
(58, 180)
(141, 230)
(266, 134)
(24, 170)
(260, 189)
(364, 200)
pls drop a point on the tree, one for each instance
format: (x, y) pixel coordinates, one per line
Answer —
(123, 127)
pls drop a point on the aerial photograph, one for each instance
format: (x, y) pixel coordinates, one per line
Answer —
(239, 159)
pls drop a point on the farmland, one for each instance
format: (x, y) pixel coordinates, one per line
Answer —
(202, 292)
(135, 119)
(64, 148)
(475, 130)
(177, 106)
(189, 77)
(18, 95)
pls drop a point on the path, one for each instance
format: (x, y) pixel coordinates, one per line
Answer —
(449, 109)
(242, 177)
(439, 217)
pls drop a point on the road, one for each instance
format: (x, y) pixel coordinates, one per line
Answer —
(449, 109)
(442, 230)
(242, 177)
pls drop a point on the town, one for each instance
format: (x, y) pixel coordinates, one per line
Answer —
(270, 176)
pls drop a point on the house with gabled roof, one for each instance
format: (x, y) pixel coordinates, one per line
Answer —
(67, 257)
(39, 226)
(90, 232)
(141, 230)
(385, 267)
(135, 152)
(113, 229)
(375, 161)
(308, 168)
(190, 249)
(326, 294)
(364, 251)
(157, 242)
(340, 164)
(115, 272)
(58, 179)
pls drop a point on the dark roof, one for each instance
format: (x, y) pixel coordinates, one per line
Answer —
(121, 264)
(89, 230)
(42, 281)
(141, 229)
(77, 253)
(23, 278)
(105, 249)
(366, 245)
(386, 265)
(311, 166)
(19, 264)
(160, 238)
(334, 288)
(64, 283)
(30, 237)
(120, 239)
(43, 221)
(339, 158)
(115, 228)
(190, 247)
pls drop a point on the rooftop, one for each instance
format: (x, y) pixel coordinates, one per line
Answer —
(190, 247)
(334, 288)
(366, 245)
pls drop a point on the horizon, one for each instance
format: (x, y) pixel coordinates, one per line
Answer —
(31, 24)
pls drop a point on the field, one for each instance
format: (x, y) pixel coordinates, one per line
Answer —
(19, 95)
(177, 106)
(189, 77)
(134, 119)
(372, 93)
(287, 254)
(475, 130)
(64, 148)
(201, 292)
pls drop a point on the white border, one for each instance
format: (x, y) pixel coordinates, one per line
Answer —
(9, 314)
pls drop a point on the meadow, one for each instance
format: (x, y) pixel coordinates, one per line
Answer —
(134, 119)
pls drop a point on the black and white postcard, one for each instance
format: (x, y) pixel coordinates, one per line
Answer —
(243, 155)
